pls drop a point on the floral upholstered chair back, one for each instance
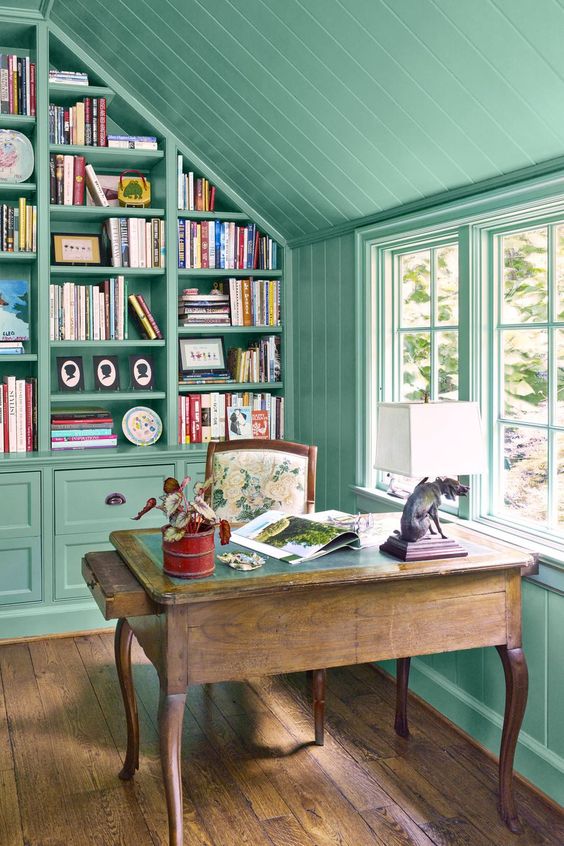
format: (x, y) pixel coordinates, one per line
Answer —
(248, 482)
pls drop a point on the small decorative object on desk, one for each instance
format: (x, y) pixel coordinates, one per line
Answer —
(16, 156)
(188, 537)
(241, 560)
(142, 426)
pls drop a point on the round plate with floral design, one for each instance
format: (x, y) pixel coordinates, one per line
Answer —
(16, 156)
(142, 426)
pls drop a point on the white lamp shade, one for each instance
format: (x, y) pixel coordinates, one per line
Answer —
(430, 439)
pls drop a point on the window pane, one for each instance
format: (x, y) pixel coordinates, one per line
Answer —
(447, 285)
(524, 354)
(415, 289)
(525, 479)
(447, 350)
(559, 298)
(416, 365)
(525, 294)
(560, 479)
(559, 343)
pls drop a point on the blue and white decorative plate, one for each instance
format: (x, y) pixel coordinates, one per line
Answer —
(16, 156)
(142, 426)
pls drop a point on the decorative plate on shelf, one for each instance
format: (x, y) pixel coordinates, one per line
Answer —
(16, 156)
(142, 426)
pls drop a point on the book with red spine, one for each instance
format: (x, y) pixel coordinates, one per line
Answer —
(212, 198)
(205, 244)
(102, 135)
(32, 90)
(28, 416)
(79, 181)
(6, 425)
(187, 424)
(149, 316)
(88, 121)
(195, 418)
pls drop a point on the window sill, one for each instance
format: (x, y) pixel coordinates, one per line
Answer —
(551, 561)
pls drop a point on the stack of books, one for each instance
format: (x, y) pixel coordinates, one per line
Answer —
(224, 245)
(194, 193)
(208, 417)
(89, 427)
(135, 242)
(11, 348)
(17, 85)
(203, 309)
(133, 142)
(18, 232)
(259, 363)
(68, 77)
(254, 302)
(18, 415)
(144, 317)
(88, 312)
(82, 124)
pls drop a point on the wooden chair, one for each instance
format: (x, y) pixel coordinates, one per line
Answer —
(244, 471)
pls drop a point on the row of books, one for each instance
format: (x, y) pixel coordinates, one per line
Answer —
(59, 77)
(82, 124)
(18, 227)
(18, 415)
(67, 179)
(230, 416)
(194, 193)
(250, 302)
(82, 428)
(88, 312)
(17, 85)
(196, 309)
(135, 242)
(224, 245)
(259, 363)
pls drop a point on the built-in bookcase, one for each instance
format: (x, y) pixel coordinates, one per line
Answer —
(57, 505)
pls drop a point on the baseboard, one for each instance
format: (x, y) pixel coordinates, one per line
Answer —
(537, 764)
(47, 620)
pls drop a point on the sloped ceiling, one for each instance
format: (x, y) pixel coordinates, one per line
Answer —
(322, 111)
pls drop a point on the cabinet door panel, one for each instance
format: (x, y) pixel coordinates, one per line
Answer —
(20, 570)
(82, 498)
(69, 550)
(20, 515)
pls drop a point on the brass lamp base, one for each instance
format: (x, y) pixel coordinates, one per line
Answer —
(427, 548)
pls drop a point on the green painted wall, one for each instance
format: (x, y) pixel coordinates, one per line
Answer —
(466, 686)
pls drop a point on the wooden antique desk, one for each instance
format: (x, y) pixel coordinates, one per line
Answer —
(345, 608)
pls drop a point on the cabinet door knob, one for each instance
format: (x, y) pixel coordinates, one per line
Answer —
(115, 499)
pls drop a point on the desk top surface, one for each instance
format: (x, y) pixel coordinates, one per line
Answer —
(142, 552)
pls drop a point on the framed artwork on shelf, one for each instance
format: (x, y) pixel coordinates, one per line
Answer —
(106, 372)
(70, 373)
(201, 355)
(240, 422)
(74, 248)
(141, 372)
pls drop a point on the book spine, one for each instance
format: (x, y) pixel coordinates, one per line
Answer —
(28, 416)
(78, 186)
(196, 418)
(32, 89)
(6, 415)
(141, 317)
(95, 122)
(2, 449)
(102, 135)
(94, 188)
(88, 121)
(149, 316)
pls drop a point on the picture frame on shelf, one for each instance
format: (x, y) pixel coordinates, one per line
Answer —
(70, 373)
(73, 248)
(240, 425)
(141, 372)
(199, 356)
(106, 372)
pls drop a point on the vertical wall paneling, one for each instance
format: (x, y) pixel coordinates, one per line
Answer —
(555, 673)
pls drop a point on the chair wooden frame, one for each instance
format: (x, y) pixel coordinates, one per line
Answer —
(309, 452)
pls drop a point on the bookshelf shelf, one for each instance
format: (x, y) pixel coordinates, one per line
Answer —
(137, 343)
(104, 271)
(110, 158)
(17, 358)
(229, 330)
(21, 122)
(215, 215)
(65, 94)
(17, 188)
(207, 272)
(72, 397)
(23, 257)
(100, 212)
(255, 387)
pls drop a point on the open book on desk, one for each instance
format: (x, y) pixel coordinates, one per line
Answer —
(301, 538)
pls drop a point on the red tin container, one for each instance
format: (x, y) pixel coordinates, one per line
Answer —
(191, 557)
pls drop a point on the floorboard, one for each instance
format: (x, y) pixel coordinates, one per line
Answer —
(252, 775)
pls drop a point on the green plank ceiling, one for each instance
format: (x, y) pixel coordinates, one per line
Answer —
(324, 111)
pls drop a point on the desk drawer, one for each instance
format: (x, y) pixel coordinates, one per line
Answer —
(81, 497)
(115, 589)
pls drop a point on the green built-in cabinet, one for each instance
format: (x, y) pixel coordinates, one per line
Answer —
(55, 507)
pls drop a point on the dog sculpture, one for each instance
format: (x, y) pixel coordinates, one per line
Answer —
(420, 510)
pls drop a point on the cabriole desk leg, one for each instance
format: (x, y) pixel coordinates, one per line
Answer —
(516, 688)
(122, 646)
(171, 715)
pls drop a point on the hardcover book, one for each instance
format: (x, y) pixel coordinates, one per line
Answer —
(14, 310)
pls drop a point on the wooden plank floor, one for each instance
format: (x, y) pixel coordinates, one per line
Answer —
(251, 775)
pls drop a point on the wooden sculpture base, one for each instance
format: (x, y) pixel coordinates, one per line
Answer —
(429, 547)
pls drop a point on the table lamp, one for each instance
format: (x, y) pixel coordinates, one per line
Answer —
(436, 440)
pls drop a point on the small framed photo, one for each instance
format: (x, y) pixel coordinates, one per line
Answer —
(240, 422)
(199, 356)
(73, 248)
(106, 372)
(70, 373)
(141, 372)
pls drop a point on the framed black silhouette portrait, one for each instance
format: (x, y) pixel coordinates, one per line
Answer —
(106, 372)
(70, 373)
(141, 372)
